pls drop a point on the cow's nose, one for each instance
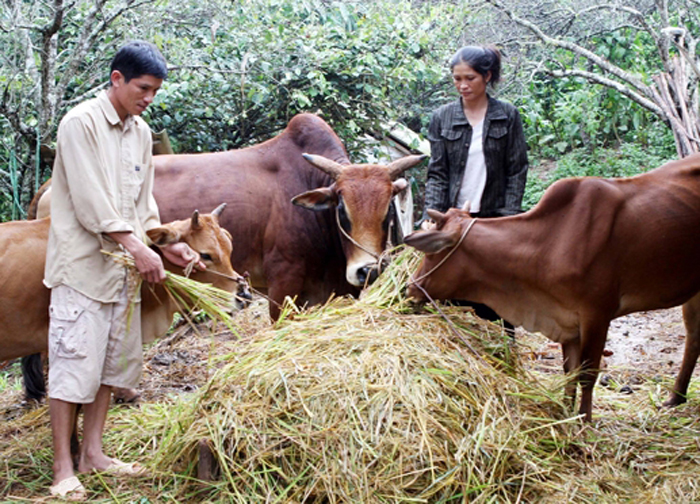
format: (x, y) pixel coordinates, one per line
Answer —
(243, 298)
(367, 274)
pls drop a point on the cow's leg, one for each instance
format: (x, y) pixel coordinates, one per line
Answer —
(593, 336)
(691, 317)
(278, 291)
(282, 281)
(275, 298)
(571, 352)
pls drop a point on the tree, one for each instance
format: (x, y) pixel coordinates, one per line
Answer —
(665, 76)
(49, 63)
(238, 71)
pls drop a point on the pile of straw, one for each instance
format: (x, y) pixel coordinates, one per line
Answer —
(356, 402)
(369, 401)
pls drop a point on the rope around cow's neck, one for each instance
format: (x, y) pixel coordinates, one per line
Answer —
(351, 240)
(379, 257)
(464, 235)
(238, 279)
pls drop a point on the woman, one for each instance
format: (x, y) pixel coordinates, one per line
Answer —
(478, 154)
(477, 146)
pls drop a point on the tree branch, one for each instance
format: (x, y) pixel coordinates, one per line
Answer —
(576, 49)
(604, 81)
(90, 33)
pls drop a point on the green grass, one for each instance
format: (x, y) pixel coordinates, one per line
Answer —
(11, 378)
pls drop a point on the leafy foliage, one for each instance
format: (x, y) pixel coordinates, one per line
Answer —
(628, 160)
(243, 73)
(567, 113)
(241, 70)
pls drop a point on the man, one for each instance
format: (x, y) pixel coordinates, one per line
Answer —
(102, 199)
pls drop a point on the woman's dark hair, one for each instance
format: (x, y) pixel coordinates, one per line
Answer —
(483, 59)
(139, 58)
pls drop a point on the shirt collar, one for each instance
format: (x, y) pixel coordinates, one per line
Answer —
(111, 113)
(494, 112)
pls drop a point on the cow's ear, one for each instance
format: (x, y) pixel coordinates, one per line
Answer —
(398, 185)
(318, 199)
(432, 241)
(163, 235)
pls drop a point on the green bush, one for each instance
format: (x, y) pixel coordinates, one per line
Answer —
(627, 160)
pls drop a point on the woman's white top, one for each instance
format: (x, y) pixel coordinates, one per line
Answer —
(474, 179)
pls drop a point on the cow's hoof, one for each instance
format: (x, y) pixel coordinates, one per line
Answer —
(207, 469)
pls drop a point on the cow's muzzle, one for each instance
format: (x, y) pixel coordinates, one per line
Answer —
(367, 274)
(242, 298)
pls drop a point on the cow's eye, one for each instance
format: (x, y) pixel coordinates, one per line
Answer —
(389, 216)
(205, 257)
(343, 216)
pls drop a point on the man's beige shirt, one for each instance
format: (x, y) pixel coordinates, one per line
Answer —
(102, 182)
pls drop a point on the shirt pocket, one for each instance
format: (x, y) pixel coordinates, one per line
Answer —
(498, 131)
(451, 135)
(68, 331)
(454, 144)
(135, 175)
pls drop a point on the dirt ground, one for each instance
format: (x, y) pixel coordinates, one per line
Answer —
(640, 346)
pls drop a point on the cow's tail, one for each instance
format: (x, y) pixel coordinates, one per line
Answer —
(33, 375)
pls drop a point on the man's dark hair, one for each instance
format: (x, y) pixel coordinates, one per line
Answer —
(139, 58)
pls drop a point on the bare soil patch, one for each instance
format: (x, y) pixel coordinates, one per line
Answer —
(640, 347)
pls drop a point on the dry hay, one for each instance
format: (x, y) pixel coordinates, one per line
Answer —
(359, 402)
(366, 401)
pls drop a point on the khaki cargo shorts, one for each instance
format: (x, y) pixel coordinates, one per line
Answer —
(92, 344)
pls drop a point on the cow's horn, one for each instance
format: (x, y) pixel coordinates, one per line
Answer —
(195, 219)
(399, 166)
(324, 164)
(438, 217)
(217, 211)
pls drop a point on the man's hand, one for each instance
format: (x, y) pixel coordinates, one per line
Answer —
(182, 255)
(148, 262)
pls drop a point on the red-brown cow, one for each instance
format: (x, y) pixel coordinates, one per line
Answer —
(288, 250)
(592, 250)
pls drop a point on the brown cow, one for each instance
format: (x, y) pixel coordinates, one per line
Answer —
(592, 250)
(288, 250)
(24, 300)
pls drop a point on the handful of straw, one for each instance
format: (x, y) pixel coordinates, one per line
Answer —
(189, 294)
